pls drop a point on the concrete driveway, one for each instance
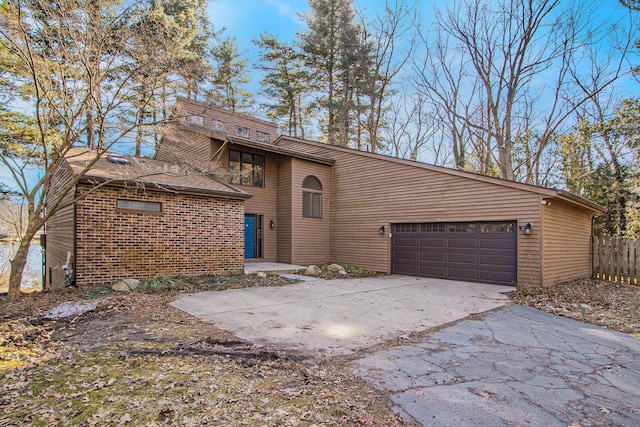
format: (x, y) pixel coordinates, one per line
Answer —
(512, 367)
(341, 316)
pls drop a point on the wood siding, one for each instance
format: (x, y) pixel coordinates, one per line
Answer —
(371, 191)
(265, 199)
(566, 247)
(284, 208)
(185, 146)
(60, 231)
(310, 236)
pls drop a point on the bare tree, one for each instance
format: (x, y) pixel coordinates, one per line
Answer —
(409, 128)
(516, 63)
(389, 39)
(60, 60)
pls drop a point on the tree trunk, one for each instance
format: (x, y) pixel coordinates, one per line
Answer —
(17, 268)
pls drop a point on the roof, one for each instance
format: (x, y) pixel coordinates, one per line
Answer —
(159, 175)
(550, 193)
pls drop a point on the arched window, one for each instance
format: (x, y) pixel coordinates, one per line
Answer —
(311, 200)
(312, 183)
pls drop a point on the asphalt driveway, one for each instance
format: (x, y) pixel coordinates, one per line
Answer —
(514, 367)
(341, 316)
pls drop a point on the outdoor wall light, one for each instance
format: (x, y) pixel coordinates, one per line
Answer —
(545, 202)
(381, 231)
(272, 224)
(526, 229)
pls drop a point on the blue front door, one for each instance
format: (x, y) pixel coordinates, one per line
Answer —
(249, 236)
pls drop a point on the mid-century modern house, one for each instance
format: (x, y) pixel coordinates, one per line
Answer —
(224, 190)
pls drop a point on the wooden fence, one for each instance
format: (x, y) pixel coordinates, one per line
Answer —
(616, 259)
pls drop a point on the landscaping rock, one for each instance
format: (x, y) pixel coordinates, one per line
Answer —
(335, 268)
(261, 275)
(313, 270)
(70, 308)
(585, 308)
(125, 285)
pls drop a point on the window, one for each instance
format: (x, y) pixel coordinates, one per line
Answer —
(138, 205)
(246, 169)
(243, 132)
(496, 227)
(195, 120)
(311, 200)
(405, 228)
(462, 228)
(218, 125)
(263, 136)
(432, 228)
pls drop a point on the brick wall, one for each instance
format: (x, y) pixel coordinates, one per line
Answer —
(192, 235)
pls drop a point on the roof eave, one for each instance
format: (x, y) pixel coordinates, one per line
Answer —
(166, 188)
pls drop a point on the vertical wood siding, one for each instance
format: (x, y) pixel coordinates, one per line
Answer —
(311, 236)
(284, 218)
(566, 247)
(369, 192)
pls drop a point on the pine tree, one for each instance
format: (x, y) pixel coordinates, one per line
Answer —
(331, 51)
(287, 84)
(229, 77)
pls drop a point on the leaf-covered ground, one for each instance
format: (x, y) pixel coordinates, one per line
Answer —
(136, 360)
(612, 305)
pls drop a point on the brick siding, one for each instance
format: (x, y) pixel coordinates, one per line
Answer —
(193, 235)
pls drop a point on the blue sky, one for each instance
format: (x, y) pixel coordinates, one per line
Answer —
(247, 19)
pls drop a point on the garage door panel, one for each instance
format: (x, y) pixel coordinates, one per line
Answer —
(487, 243)
(406, 255)
(497, 260)
(462, 243)
(433, 256)
(411, 270)
(462, 274)
(464, 258)
(439, 272)
(493, 275)
(407, 242)
(481, 252)
(433, 243)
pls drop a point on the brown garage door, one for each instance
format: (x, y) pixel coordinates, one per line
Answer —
(472, 251)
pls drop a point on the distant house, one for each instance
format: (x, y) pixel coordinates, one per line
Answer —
(297, 201)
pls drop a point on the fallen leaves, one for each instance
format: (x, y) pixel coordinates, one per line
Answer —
(135, 360)
(613, 305)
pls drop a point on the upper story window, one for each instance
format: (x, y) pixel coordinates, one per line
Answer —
(246, 168)
(195, 120)
(263, 136)
(218, 125)
(311, 200)
(242, 131)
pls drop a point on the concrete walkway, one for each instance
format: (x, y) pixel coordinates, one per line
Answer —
(270, 267)
(341, 316)
(514, 367)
